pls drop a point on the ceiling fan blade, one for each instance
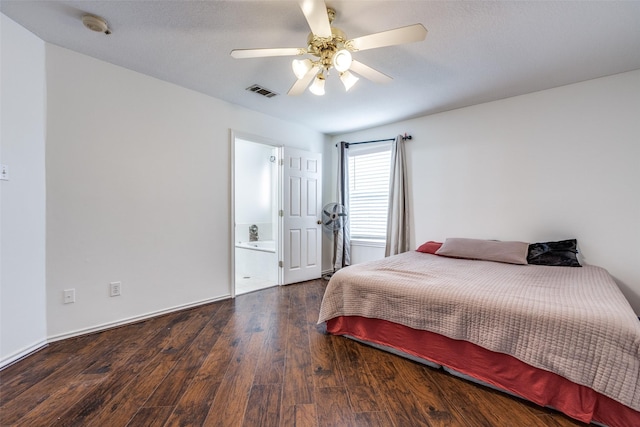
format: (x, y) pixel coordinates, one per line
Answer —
(369, 73)
(410, 34)
(300, 85)
(261, 53)
(315, 11)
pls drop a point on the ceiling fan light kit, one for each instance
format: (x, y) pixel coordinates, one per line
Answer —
(317, 87)
(342, 60)
(348, 80)
(332, 49)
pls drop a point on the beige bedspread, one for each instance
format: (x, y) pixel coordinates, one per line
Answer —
(568, 320)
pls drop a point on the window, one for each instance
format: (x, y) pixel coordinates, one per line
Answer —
(369, 190)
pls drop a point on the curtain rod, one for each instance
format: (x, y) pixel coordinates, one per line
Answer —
(405, 137)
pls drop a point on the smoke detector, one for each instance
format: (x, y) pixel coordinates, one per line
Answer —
(96, 23)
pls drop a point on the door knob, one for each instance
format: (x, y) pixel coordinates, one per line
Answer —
(319, 222)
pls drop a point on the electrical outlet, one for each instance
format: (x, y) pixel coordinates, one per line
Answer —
(115, 289)
(69, 296)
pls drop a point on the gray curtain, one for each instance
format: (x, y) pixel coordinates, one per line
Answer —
(398, 215)
(341, 239)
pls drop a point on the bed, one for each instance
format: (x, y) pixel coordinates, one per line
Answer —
(561, 337)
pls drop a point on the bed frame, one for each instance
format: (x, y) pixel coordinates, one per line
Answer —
(495, 370)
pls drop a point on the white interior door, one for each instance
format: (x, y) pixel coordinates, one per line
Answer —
(301, 202)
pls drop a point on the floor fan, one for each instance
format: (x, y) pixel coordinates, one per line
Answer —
(334, 218)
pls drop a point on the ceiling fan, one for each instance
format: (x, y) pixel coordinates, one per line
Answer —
(330, 48)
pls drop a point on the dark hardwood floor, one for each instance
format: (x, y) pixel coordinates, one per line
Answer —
(258, 360)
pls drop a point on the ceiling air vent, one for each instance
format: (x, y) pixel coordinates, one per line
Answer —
(261, 91)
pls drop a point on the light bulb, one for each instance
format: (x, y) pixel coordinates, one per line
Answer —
(301, 67)
(342, 60)
(348, 80)
(317, 88)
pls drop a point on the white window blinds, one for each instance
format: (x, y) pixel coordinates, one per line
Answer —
(369, 190)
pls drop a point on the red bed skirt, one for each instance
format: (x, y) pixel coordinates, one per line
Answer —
(500, 370)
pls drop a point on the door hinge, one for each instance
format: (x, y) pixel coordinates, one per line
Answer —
(281, 162)
(280, 264)
(281, 212)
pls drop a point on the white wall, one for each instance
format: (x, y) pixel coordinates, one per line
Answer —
(138, 184)
(556, 164)
(138, 191)
(255, 198)
(22, 198)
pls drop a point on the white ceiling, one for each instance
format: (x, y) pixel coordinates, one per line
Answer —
(476, 51)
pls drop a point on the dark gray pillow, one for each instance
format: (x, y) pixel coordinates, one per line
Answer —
(561, 254)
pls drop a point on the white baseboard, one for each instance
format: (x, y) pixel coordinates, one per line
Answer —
(21, 354)
(133, 319)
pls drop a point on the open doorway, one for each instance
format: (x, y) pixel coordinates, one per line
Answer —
(256, 221)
